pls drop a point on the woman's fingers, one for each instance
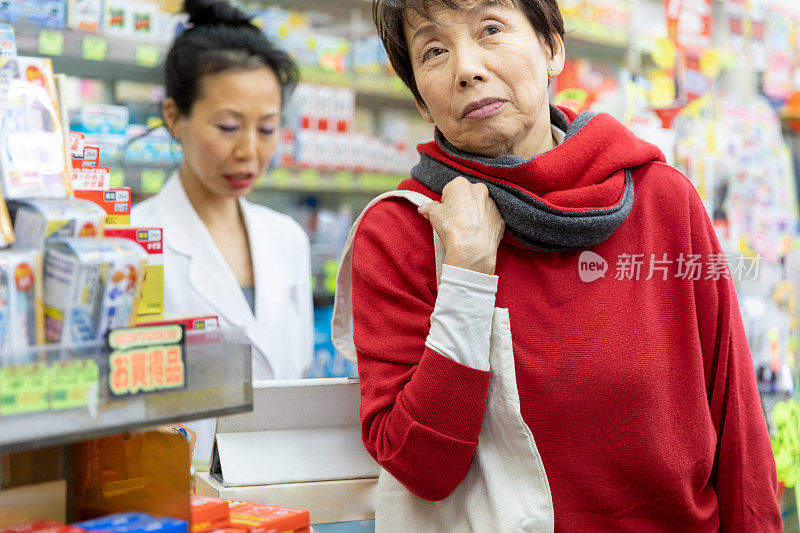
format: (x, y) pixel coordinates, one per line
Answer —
(468, 223)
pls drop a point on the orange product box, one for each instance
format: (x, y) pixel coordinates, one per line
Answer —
(191, 323)
(208, 324)
(115, 201)
(208, 514)
(40, 526)
(259, 518)
(152, 241)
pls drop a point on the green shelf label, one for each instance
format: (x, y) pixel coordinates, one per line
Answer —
(344, 180)
(117, 178)
(72, 383)
(147, 55)
(152, 180)
(24, 389)
(309, 179)
(95, 49)
(280, 178)
(51, 43)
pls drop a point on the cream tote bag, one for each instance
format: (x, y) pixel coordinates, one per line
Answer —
(506, 488)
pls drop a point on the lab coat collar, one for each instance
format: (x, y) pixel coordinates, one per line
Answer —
(209, 274)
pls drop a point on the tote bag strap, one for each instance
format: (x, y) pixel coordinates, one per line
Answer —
(342, 326)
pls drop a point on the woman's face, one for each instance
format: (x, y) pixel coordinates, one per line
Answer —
(482, 73)
(232, 131)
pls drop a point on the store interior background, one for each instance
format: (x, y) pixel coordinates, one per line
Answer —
(713, 83)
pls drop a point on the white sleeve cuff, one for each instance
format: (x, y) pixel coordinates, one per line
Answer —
(461, 323)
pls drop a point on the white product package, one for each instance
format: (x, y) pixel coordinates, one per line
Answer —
(21, 318)
(40, 220)
(91, 287)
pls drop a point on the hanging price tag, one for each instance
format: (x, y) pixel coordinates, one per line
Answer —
(147, 55)
(51, 43)
(95, 49)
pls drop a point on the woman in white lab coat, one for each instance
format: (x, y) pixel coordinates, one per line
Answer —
(223, 255)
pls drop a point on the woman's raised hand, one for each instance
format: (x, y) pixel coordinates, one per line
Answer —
(469, 224)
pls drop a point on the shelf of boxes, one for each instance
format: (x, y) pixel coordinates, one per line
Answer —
(54, 395)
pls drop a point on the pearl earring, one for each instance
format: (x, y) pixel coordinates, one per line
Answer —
(551, 72)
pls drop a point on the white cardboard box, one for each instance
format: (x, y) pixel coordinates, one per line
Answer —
(299, 447)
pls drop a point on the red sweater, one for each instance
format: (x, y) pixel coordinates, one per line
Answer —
(641, 395)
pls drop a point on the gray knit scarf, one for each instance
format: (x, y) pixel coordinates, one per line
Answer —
(530, 221)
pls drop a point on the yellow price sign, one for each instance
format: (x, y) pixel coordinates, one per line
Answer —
(24, 389)
(344, 180)
(309, 179)
(74, 383)
(117, 177)
(94, 49)
(280, 178)
(147, 55)
(331, 270)
(51, 43)
(152, 180)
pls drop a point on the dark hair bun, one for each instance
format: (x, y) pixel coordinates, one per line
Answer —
(214, 12)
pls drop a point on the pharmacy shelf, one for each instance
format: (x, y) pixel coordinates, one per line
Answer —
(217, 376)
(329, 182)
(148, 178)
(89, 55)
(113, 58)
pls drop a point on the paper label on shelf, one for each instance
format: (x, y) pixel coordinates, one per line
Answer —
(152, 180)
(24, 389)
(51, 43)
(146, 359)
(309, 179)
(280, 178)
(117, 178)
(94, 49)
(344, 180)
(73, 383)
(147, 55)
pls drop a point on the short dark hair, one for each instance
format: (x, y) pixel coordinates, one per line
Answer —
(220, 37)
(390, 15)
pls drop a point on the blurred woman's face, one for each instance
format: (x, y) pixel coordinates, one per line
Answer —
(232, 131)
(482, 73)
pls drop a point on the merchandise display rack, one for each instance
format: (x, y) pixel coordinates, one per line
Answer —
(79, 405)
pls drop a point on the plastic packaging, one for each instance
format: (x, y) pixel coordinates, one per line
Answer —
(38, 221)
(21, 311)
(91, 286)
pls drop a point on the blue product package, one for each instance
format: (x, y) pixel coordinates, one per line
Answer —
(155, 525)
(114, 521)
(8, 10)
(45, 13)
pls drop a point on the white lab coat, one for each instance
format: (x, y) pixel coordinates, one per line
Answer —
(198, 281)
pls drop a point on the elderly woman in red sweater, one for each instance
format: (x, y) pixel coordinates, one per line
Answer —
(558, 353)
